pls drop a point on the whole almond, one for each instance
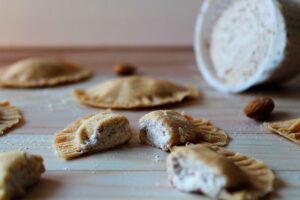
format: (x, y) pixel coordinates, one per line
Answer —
(124, 69)
(259, 108)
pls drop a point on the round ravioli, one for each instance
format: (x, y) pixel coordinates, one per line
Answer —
(41, 72)
(134, 92)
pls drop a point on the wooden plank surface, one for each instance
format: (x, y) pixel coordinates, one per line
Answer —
(135, 171)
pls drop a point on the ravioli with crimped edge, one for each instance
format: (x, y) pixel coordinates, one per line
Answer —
(9, 116)
(92, 134)
(134, 92)
(289, 129)
(218, 173)
(41, 72)
(167, 128)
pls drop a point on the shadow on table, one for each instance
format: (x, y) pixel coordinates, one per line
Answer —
(44, 189)
(186, 103)
(278, 185)
(289, 90)
(280, 116)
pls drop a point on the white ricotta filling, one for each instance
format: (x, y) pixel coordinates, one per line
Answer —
(156, 134)
(108, 137)
(189, 176)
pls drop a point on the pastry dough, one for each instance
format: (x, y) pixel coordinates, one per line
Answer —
(288, 129)
(134, 92)
(9, 116)
(41, 72)
(18, 170)
(167, 128)
(218, 173)
(91, 134)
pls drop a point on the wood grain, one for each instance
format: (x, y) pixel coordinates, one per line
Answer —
(135, 171)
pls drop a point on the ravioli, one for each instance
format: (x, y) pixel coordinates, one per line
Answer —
(134, 92)
(41, 72)
(18, 171)
(288, 129)
(167, 128)
(91, 134)
(218, 173)
(9, 116)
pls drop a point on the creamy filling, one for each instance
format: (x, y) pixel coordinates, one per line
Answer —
(191, 177)
(155, 134)
(241, 40)
(106, 137)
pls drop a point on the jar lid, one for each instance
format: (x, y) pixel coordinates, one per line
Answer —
(240, 44)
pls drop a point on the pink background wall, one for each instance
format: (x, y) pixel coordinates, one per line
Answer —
(97, 22)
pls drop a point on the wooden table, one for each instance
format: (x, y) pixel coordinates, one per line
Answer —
(135, 171)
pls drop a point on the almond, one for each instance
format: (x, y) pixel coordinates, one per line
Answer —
(259, 108)
(124, 69)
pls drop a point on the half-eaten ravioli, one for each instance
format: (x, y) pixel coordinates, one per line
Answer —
(9, 116)
(134, 92)
(288, 129)
(18, 171)
(41, 72)
(91, 134)
(167, 128)
(218, 173)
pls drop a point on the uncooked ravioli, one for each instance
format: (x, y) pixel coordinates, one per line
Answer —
(167, 128)
(9, 116)
(18, 171)
(91, 134)
(41, 72)
(134, 92)
(218, 173)
(289, 129)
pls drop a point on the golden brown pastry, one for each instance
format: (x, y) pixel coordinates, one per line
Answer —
(167, 128)
(134, 92)
(218, 173)
(91, 134)
(41, 72)
(9, 116)
(18, 171)
(288, 129)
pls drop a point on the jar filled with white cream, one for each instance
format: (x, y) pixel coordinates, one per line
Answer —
(243, 43)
